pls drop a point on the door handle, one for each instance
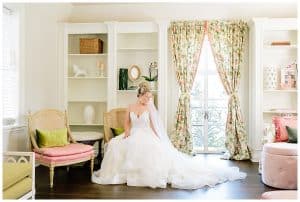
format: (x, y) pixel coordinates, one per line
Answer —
(206, 115)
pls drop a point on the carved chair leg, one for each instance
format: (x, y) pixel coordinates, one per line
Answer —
(92, 164)
(51, 176)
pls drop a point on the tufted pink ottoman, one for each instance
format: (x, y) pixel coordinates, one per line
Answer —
(286, 194)
(279, 165)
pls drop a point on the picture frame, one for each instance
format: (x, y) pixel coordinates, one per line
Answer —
(288, 77)
(134, 73)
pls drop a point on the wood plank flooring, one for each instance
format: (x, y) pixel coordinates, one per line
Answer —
(76, 184)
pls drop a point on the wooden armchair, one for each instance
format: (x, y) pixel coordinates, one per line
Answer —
(113, 119)
(50, 119)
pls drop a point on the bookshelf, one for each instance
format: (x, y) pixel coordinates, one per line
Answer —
(266, 101)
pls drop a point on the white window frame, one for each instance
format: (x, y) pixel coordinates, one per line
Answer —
(20, 63)
(206, 73)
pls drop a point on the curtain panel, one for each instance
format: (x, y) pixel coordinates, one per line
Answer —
(227, 39)
(186, 39)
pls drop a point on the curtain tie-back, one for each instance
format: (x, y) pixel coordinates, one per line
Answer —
(234, 94)
(184, 95)
(234, 97)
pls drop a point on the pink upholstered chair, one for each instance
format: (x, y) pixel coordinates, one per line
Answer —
(52, 157)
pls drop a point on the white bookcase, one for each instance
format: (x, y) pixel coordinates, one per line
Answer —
(92, 88)
(137, 44)
(125, 44)
(266, 103)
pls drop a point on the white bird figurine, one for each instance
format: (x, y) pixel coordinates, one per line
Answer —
(78, 72)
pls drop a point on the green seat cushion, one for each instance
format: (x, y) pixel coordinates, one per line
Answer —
(292, 133)
(52, 138)
(19, 189)
(14, 172)
(117, 131)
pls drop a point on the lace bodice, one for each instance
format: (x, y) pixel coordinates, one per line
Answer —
(141, 121)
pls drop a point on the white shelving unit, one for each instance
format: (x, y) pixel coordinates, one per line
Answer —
(264, 103)
(125, 44)
(131, 50)
(277, 47)
(280, 112)
(281, 91)
(135, 46)
(134, 91)
(88, 77)
(92, 54)
(91, 89)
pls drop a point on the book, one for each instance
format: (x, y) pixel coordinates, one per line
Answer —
(281, 43)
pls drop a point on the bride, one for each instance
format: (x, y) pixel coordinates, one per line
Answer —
(144, 156)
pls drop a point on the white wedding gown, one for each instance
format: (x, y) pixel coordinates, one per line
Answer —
(142, 159)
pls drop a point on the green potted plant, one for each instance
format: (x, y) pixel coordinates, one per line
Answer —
(152, 81)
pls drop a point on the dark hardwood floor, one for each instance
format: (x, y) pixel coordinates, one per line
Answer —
(76, 184)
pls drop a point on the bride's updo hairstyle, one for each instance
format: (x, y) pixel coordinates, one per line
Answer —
(143, 89)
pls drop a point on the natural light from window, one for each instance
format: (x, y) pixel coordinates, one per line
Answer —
(9, 66)
(208, 105)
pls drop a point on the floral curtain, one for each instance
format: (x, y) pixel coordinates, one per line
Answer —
(186, 39)
(227, 39)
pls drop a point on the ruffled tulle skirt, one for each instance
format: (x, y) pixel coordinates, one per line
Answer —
(143, 160)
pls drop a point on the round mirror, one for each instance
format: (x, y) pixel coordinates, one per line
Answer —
(134, 73)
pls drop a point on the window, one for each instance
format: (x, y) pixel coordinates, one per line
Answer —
(208, 105)
(9, 67)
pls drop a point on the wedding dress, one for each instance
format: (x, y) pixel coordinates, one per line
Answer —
(144, 159)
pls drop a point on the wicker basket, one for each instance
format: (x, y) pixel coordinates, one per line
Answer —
(91, 45)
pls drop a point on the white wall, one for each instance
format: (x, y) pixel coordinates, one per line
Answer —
(38, 66)
(42, 76)
(143, 12)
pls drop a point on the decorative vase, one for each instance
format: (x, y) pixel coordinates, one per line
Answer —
(123, 79)
(270, 78)
(268, 133)
(152, 85)
(89, 114)
(100, 69)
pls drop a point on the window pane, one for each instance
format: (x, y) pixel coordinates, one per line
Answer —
(217, 111)
(216, 137)
(217, 115)
(196, 102)
(9, 68)
(198, 87)
(208, 96)
(215, 88)
(197, 116)
(198, 137)
(9, 96)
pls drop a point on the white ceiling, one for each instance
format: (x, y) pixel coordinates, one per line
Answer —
(91, 12)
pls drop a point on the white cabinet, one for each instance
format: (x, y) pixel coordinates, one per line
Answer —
(90, 89)
(137, 44)
(125, 44)
(266, 102)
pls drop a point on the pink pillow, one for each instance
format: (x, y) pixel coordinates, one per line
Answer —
(280, 123)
